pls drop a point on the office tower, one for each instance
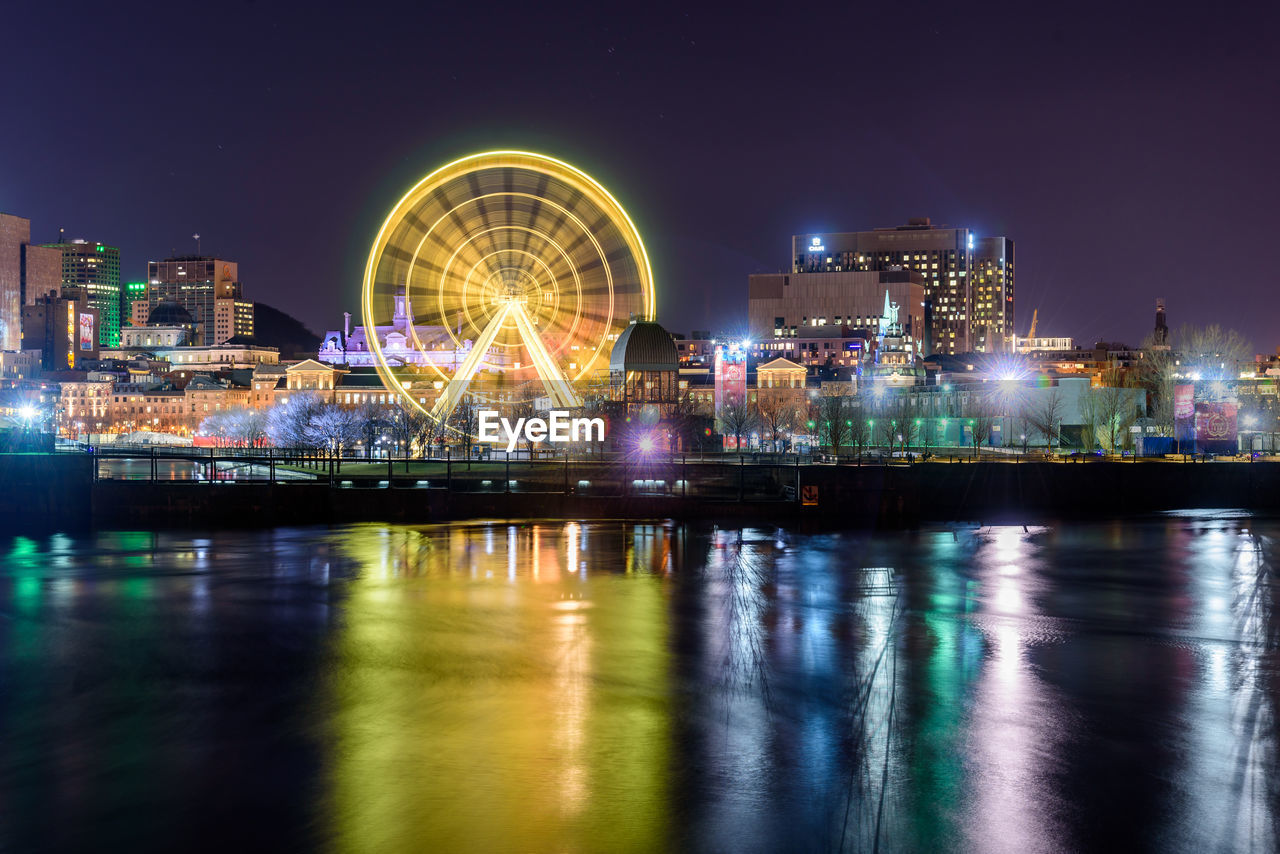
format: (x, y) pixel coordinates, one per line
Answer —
(25, 272)
(231, 318)
(991, 295)
(93, 269)
(209, 289)
(949, 261)
(136, 309)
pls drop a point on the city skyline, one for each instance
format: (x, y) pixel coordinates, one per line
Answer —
(1117, 157)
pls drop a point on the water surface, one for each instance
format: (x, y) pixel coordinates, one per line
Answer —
(624, 686)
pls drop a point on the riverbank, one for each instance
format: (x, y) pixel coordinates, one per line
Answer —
(59, 492)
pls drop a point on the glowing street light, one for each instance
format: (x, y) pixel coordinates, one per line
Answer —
(646, 444)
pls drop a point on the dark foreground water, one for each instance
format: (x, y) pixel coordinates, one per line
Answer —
(623, 686)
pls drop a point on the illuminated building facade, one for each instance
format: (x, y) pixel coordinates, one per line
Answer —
(84, 407)
(814, 318)
(26, 271)
(63, 328)
(958, 270)
(232, 318)
(643, 364)
(94, 270)
(137, 308)
(697, 349)
(730, 375)
(1045, 344)
(400, 342)
(991, 295)
(208, 288)
(835, 346)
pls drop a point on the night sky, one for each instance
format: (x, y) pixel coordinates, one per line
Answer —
(1128, 152)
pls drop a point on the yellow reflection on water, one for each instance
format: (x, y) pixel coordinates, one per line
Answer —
(491, 691)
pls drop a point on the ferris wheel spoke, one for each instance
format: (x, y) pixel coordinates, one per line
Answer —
(553, 379)
(457, 386)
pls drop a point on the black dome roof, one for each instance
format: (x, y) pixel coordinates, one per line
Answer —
(169, 314)
(644, 346)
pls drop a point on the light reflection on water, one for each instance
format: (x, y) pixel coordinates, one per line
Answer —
(625, 686)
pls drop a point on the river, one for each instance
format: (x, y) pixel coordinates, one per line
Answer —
(624, 686)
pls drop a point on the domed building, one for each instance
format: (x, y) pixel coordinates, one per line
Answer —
(168, 325)
(644, 365)
(169, 314)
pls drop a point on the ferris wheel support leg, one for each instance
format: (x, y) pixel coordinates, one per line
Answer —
(553, 379)
(461, 381)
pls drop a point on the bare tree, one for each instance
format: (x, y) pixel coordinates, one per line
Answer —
(886, 427)
(334, 428)
(777, 417)
(410, 427)
(737, 418)
(1090, 417)
(217, 426)
(1113, 412)
(1045, 415)
(834, 417)
(859, 429)
(981, 415)
(465, 421)
(372, 419)
(682, 417)
(1211, 352)
(248, 427)
(906, 413)
(424, 431)
(1157, 374)
(288, 422)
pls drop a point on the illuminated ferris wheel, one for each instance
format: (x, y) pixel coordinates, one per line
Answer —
(506, 267)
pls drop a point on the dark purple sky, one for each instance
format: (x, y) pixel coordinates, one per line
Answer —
(1128, 152)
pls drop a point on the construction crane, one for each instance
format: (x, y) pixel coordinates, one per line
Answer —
(1034, 318)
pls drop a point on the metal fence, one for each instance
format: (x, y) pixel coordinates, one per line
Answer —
(719, 476)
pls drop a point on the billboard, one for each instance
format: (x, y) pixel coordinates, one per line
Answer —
(731, 375)
(1184, 411)
(1216, 427)
(86, 331)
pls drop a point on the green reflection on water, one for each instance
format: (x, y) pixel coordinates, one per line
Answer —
(488, 690)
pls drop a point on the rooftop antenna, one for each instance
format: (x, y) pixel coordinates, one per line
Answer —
(196, 238)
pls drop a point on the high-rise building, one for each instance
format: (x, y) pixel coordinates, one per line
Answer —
(26, 271)
(991, 296)
(136, 309)
(231, 318)
(93, 269)
(950, 262)
(209, 289)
